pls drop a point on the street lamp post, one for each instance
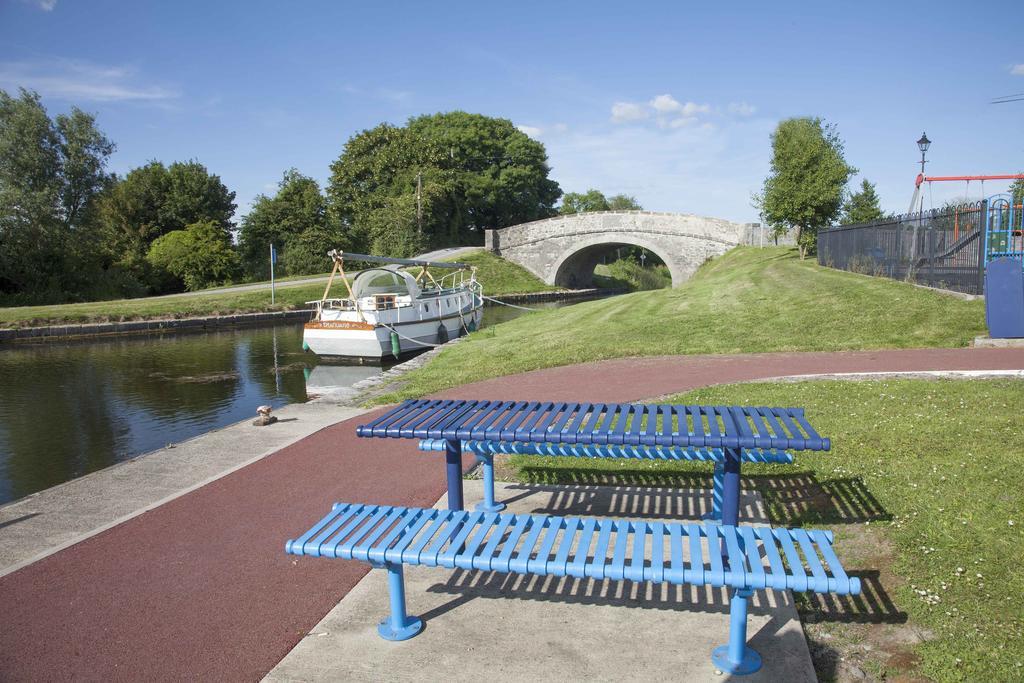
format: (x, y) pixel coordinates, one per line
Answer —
(923, 144)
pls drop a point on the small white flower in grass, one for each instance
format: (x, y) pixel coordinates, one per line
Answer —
(1010, 522)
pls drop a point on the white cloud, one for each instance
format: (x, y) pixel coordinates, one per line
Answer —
(742, 109)
(1017, 70)
(47, 5)
(532, 131)
(80, 81)
(665, 104)
(623, 112)
(693, 167)
(682, 122)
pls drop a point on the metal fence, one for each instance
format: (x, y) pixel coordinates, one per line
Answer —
(942, 248)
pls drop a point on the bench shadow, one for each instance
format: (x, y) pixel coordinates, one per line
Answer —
(792, 496)
(872, 606)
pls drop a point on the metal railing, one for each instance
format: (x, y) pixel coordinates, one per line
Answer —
(942, 248)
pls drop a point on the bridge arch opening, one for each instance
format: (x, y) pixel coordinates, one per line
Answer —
(576, 269)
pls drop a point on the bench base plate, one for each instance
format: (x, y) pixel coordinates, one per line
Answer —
(751, 661)
(388, 632)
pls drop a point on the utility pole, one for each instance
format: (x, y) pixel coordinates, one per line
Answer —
(273, 260)
(419, 202)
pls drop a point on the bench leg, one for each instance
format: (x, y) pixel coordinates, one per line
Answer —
(453, 465)
(717, 486)
(398, 625)
(488, 504)
(731, 487)
(736, 657)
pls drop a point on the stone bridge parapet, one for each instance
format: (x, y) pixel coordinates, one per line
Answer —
(564, 250)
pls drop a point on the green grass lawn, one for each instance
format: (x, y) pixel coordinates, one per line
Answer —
(497, 275)
(923, 488)
(748, 301)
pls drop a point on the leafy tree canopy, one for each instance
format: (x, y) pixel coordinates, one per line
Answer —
(439, 180)
(294, 220)
(50, 174)
(1017, 191)
(594, 200)
(862, 206)
(154, 200)
(804, 188)
(199, 256)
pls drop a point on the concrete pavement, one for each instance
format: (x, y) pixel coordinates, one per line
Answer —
(483, 626)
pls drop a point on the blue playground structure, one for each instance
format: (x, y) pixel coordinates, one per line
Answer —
(1004, 268)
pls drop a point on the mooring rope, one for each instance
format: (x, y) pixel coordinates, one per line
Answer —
(522, 308)
(408, 339)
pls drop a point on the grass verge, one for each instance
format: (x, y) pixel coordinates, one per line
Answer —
(923, 488)
(497, 275)
(748, 301)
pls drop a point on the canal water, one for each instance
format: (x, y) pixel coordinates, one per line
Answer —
(74, 408)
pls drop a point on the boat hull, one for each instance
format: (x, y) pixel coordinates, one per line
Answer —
(340, 339)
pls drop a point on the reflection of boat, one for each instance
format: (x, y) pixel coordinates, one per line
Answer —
(390, 311)
(336, 380)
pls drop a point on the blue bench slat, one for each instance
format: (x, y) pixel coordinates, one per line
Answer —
(594, 569)
(799, 578)
(619, 424)
(635, 570)
(346, 523)
(764, 534)
(558, 565)
(617, 567)
(520, 563)
(525, 543)
(409, 516)
(579, 562)
(817, 570)
(396, 553)
(692, 453)
(456, 545)
(483, 560)
(539, 564)
(361, 550)
(756, 575)
(501, 562)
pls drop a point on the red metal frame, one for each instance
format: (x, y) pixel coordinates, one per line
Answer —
(923, 178)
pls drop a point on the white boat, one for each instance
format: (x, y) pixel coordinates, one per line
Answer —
(391, 312)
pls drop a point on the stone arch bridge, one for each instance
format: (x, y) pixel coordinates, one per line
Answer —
(565, 249)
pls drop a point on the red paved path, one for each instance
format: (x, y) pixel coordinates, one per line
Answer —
(200, 588)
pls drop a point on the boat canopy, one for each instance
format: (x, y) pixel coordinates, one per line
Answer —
(388, 280)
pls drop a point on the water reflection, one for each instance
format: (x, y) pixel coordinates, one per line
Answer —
(70, 409)
(74, 408)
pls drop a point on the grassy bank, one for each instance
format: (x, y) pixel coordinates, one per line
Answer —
(497, 275)
(924, 490)
(748, 301)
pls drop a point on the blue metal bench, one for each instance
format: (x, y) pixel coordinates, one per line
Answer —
(486, 450)
(732, 429)
(744, 558)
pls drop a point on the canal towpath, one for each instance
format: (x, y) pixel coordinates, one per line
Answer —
(192, 582)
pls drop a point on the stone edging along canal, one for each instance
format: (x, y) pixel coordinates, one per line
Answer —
(200, 324)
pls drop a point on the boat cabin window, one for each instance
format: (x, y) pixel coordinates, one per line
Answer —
(379, 281)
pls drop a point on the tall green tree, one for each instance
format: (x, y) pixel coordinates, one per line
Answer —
(200, 255)
(623, 202)
(594, 200)
(804, 188)
(862, 206)
(154, 200)
(1017, 191)
(50, 174)
(437, 181)
(576, 202)
(294, 220)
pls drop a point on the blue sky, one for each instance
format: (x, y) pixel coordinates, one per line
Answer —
(670, 102)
